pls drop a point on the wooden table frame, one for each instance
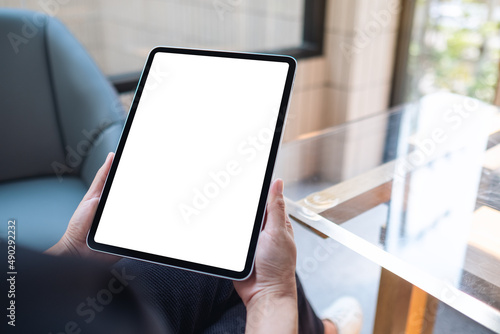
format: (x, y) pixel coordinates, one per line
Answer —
(401, 306)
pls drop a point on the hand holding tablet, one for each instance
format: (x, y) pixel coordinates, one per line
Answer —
(189, 182)
(272, 280)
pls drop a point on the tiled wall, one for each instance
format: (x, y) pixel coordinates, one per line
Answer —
(307, 107)
(120, 33)
(221, 24)
(353, 78)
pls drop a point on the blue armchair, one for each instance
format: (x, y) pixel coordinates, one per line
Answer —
(59, 117)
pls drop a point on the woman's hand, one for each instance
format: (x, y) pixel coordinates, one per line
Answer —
(73, 242)
(270, 293)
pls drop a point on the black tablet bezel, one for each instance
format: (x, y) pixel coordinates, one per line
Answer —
(259, 217)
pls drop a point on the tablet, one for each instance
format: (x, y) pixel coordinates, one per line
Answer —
(189, 182)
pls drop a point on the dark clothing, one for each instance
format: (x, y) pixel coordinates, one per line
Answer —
(194, 303)
(65, 294)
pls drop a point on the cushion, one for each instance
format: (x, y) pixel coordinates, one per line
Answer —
(42, 208)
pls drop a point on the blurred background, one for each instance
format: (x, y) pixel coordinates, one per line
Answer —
(356, 58)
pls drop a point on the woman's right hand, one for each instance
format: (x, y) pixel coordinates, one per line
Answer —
(270, 293)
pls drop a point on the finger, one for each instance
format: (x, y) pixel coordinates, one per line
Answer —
(98, 183)
(276, 216)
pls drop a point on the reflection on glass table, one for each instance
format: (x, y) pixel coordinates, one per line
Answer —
(431, 170)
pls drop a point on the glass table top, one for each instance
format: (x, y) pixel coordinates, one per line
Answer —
(429, 172)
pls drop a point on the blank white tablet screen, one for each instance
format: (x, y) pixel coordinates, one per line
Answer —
(192, 169)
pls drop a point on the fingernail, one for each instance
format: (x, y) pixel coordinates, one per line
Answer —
(279, 184)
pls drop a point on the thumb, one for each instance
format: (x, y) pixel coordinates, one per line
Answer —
(95, 188)
(276, 215)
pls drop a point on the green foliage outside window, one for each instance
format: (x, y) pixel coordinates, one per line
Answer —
(456, 47)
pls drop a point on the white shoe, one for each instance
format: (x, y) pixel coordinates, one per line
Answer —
(346, 314)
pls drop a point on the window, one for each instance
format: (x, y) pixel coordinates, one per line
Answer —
(119, 33)
(451, 45)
